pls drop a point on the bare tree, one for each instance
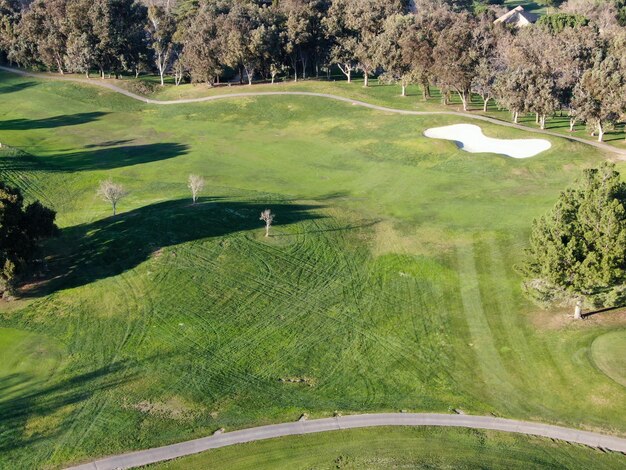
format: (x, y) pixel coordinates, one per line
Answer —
(196, 184)
(111, 192)
(268, 218)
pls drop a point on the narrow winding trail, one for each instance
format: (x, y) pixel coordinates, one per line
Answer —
(160, 454)
(110, 86)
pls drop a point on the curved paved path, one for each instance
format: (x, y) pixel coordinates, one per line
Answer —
(160, 454)
(173, 451)
(110, 86)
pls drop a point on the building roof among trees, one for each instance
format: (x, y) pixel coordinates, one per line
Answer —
(517, 17)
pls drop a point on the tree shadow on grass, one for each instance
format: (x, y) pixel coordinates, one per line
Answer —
(111, 246)
(13, 88)
(101, 159)
(22, 399)
(51, 122)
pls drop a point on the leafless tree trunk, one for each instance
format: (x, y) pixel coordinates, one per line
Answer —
(600, 131)
(304, 58)
(111, 192)
(347, 71)
(268, 218)
(515, 117)
(578, 310)
(463, 94)
(196, 184)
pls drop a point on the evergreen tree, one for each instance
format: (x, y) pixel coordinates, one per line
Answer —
(578, 250)
(21, 229)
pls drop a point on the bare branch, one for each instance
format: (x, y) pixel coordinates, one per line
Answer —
(268, 218)
(111, 192)
(196, 184)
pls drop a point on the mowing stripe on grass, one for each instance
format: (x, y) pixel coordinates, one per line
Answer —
(493, 371)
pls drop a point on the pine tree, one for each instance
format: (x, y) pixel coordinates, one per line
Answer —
(578, 250)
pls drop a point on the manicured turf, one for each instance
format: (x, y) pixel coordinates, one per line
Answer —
(385, 448)
(377, 93)
(388, 282)
(529, 5)
(609, 354)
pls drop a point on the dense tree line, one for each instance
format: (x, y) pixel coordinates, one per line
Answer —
(571, 61)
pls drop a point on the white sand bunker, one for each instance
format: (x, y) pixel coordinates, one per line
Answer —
(471, 139)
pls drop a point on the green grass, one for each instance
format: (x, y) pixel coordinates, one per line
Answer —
(381, 94)
(387, 283)
(609, 354)
(529, 5)
(384, 448)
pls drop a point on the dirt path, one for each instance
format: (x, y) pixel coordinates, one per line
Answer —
(160, 454)
(110, 86)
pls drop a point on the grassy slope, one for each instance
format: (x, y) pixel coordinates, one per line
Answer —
(386, 448)
(376, 93)
(388, 283)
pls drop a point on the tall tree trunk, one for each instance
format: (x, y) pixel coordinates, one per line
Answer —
(304, 63)
(463, 96)
(537, 118)
(365, 79)
(161, 75)
(485, 103)
(600, 131)
(403, 89)
(572, 123)
(515, 117)
(294, 64)
(542, 121)
(578, 310)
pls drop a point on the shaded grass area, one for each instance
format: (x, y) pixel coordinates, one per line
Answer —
(387, 283)
(401, 448)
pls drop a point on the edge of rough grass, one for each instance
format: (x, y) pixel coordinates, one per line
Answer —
(386, 447)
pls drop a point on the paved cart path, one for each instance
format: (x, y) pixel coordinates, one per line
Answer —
(110, 86)
(160, 454)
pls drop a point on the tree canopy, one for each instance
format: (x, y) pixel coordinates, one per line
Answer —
(578, 250)
(21, 230)
(572, 61)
